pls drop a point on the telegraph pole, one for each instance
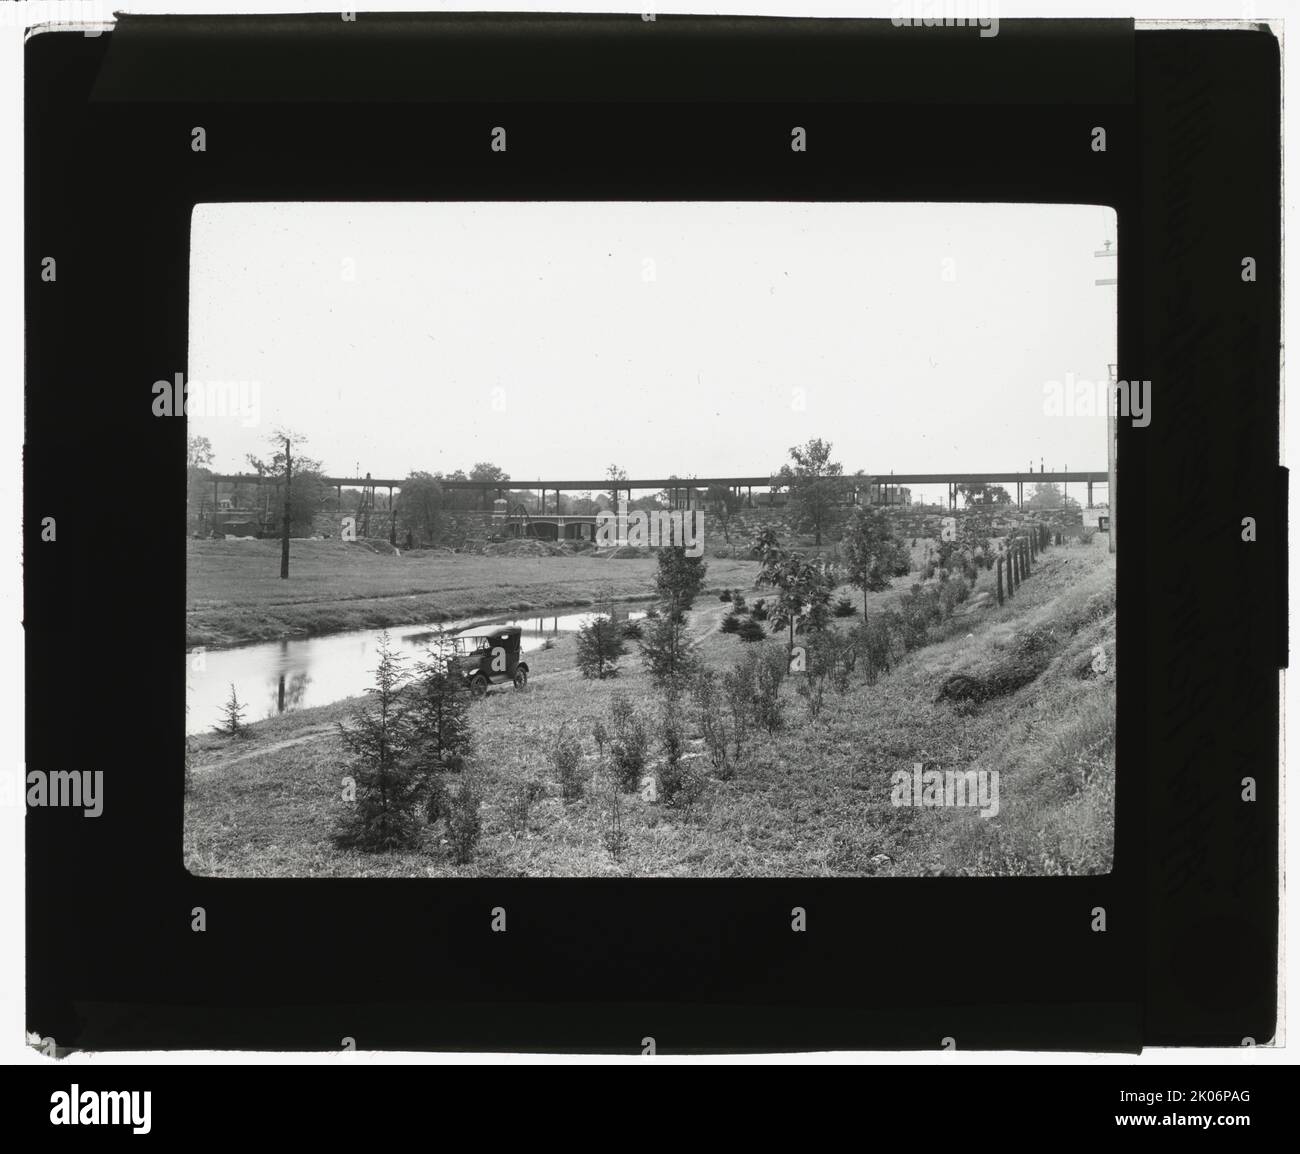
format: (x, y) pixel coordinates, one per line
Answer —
(288, 488)
(1110, 413)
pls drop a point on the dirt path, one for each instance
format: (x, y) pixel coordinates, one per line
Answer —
(307, 735)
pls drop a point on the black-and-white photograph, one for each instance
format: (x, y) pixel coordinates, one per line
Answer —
(651, 539)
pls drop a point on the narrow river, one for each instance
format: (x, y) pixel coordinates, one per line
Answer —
(272, 677)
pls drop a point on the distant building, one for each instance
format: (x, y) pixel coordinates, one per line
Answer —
(1097, 517)
(889, 495)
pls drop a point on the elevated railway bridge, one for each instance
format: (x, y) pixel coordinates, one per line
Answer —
(546, 520)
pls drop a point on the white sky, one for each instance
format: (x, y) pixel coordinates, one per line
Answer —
(691, 372)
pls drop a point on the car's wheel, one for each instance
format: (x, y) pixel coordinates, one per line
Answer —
(478, 685)
(521, 678)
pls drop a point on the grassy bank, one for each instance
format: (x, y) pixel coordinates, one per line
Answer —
(234, 593)
(813, 799)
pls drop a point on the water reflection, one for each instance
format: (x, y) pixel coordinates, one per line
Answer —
(302, 672)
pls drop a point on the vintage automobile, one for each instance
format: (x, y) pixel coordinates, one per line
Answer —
(492, 659)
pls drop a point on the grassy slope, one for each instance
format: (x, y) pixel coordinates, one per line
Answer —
(234, 592)
(813, 800)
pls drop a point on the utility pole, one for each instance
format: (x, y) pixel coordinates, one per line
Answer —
(1110, 412)
(288, 488)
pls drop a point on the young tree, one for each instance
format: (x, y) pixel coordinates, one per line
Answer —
(679, 578)
(871, 551)
(233, 725)
(600, 645)
(378, 739)
(817, 486)
(439, 704)
(667, 651)
(803, 588)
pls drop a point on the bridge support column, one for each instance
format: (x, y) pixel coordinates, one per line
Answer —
(1089, 494)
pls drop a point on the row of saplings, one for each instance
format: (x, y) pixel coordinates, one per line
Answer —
(732, 708)
(411, 738)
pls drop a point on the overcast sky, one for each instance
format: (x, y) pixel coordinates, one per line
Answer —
(554, 339)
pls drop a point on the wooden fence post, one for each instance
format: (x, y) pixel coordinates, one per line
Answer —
(999, 569)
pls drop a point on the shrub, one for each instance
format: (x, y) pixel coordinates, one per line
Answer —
(465, 820)
(751, 630)
(874, 644)
(629, 744)
(918, 610)
(599, 648)
(731, 623)
(1099, 606)
(566, 756)
(519, 805)
(845, 608)
(829, 658)
(812, 688)
(952, 594)
(758, 610)
(435, 799)
(1034, 642)
(725, 595)
(666, 651)
(679, 784)
(738, 602)
(711, 712)
(738, 692)
(770, 670)
(612, 836)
